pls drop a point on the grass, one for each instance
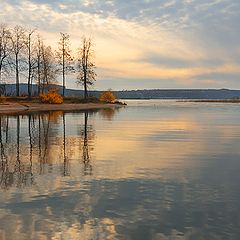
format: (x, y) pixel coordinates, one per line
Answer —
(77, 100)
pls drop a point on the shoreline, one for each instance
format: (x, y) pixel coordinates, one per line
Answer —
(23, 108)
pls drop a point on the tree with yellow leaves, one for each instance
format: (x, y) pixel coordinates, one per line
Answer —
(108, 96)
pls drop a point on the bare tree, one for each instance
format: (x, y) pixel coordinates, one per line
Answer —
(48, 69)
(65, 59)
(18, 39)
(39, 64)
(86, 67)
(5, 50)
(29, 44)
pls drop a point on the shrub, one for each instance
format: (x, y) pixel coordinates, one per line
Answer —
(2, 99)
(108, 96)
(51, 97)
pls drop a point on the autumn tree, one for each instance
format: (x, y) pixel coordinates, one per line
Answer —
(64, 58)
(108, 96)
(18, 39)
(86, 67)
(5, 50)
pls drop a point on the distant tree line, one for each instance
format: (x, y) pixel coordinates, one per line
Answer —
(25, 57)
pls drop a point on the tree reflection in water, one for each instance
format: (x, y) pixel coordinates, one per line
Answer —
(32, 145)
(108, 113)
(86, 154)
(4, 160)
(65, 159)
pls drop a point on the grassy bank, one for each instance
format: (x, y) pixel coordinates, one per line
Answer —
(15, 105)
(66, 100)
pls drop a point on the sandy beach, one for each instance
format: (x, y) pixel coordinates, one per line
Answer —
(18, 108)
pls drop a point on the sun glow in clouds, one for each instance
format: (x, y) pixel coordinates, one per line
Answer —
(169, 44)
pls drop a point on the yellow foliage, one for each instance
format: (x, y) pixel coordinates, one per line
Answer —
(51, 97)
(55, 116)
(108, 96)
(2, 99)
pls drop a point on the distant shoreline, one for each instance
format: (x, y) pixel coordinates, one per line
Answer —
(212, 101)
(181, 93)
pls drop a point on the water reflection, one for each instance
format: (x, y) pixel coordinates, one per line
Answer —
(108, 113)
(86, 133)
(35, 145)
(65, 158)
(149, 172)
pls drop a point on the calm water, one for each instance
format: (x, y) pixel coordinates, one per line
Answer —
(152, 170)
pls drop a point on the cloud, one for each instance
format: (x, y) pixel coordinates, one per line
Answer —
(143, 39)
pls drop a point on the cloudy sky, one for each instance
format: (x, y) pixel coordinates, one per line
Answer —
(144, 43)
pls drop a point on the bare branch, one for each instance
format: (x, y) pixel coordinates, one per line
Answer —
(86, 67)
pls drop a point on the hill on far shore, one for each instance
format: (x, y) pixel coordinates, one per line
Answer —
(143, 94)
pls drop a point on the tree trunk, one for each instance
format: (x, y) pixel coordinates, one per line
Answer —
(85, 87)
(17, 78)
(63, 90)
(39, 76)
(29, 66)
(29, 81)
(0, 73)
(29, 88)
(63, 71)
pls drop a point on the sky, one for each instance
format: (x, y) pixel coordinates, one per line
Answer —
(143, 44)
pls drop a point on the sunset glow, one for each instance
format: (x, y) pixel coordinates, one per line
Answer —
(144, 44)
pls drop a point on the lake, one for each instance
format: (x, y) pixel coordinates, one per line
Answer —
(156, 170)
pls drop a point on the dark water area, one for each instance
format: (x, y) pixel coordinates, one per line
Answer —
(152, 170)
